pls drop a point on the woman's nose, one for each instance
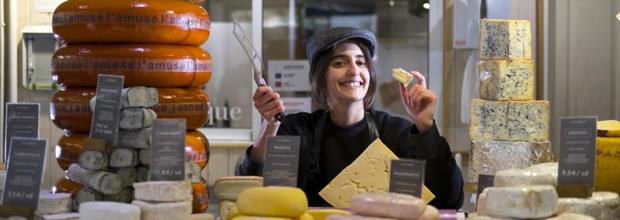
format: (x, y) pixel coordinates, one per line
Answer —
(354, 69)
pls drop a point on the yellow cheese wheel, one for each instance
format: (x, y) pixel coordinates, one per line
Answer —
(607, 174)
(274, 201)
(131, 21)
(151, 65)
(70, 109)
(248, 217)
(608, 128)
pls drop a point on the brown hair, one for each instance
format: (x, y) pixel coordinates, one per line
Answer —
(318, 76)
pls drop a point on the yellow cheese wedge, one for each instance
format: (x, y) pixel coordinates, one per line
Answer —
(608, 128)
(276, 201)
(607, 174)
(321, 214)
(249, 217)
(402, 76)
(368, 173)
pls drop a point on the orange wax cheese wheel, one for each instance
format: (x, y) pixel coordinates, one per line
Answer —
(131, 21)
(69, 148)
(152, 65)
(197, 148)
(70, 109)
(200, 197)
(64, 185)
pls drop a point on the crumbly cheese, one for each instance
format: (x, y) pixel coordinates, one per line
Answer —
(507, 80)
(139, 96)
(509, 120)
(109, 210)
(607, 172)
(53, 203)
(276, 201)
(488, 157)
(163, 191)
(136, 118)
(164, 211)
(368, 173)
(402, 76)
(229, 187)
(536, 201)
(505, 39)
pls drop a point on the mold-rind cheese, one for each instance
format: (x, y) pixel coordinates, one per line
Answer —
(507, 80)
(163, 191)
(509, 120)
(139, 96)
(536, 201)
(164, 211)
(109, 210)
(60, 216)
(53, 203)
(505, 39)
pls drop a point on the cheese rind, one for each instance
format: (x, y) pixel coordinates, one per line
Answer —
(430, 213)
(488, 157)
(124, 157)
(276, 201)
(228, 210)
(142, 174)
(230, 187)
(125, 195)
(571, 216)
(579, 206)
(507, 80)
(608, 128)
(248, 217)
(53, 203)
(93, 160)
(385, 204)
(536, 201)
(192, 172)
(144, 155)
(78, 174)
(139, 96)
(505, 39)
(109, 210)
(524, 177)
(202, 216)
(127, 175)
(136, 118)
(60, 216)
(84, 195)
(106, 183)
(164, 211)
(509, 120)
(163, 191)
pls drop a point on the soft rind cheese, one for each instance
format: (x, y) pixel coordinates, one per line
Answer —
(53, 203)
(386, 204)
(507, 80)
(84, 195)
(368, 173)
(109, 210)
(128, 176)
(164, 211)
(524, 177)
(136, 118)
(78, 174)
(509, 120)
(124, 196)
(105, 182)
(505, 39)
(124, 157)
(537, 201)
(579, 206)
(60, 216)
(163, 191)
(276, 201)
(93, 160)
(229, 187)
(139, 96)
(488, 157)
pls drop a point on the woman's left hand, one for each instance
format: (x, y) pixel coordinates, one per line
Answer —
(419, 102)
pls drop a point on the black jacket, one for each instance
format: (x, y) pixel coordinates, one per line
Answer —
(321, 139)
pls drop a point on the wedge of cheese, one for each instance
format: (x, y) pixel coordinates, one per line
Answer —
(505, 39)
(368, 173)
(507, 80)
(509, 120)
(402, 76)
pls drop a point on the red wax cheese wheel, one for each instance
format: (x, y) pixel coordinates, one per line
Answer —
(197, 148)
(70, 109)
(151, 65)
(131, 21)
(200, 197)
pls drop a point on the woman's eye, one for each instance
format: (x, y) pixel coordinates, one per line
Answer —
(361, 62)
(338, 63)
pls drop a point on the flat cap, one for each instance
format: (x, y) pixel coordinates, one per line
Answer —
(327, 39)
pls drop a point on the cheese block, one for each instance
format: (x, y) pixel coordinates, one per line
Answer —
(109, 210)
(524, 177)
(136, 118)
(390, 205)
(608, 128)
(164, 211)
(84, 195)
(202, 216)
(60, 216)
(488, 157)
(275, 201)
(430, 213)
(70, 108)
(105, 182)
(53, 203)
(138, 139)
(505, 39)
(535, 201)
(127, 175)
(144, 155)
(93, 160)
(200, 197)
(124, 196)
(163, 191)
(78, 174)
(247, 217)
(607, 174)
(129, 21)
(402, 76)
(356, 217)
(368, 173)
(228, 210)
(64, 185)
(323, 213)
(197, 148)
(192, 172)
(571, 216)
(124, 157)
(68, 148)
(509, 120)
(229, 187)
(139, 96)
(507, 80)
(142, 174)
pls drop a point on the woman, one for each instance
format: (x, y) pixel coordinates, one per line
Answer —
(343, 85)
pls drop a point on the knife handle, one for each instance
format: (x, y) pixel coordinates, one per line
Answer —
(280, 117)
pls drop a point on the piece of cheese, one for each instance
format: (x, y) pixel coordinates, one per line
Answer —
(53, 203)
(607, 174)
(164, 211)
(105, 182)
(322, 214)
(356, 217)
(136, 118)
(123, 157)
(139, 139)
(571, 216)
(78, 174)
(535, 201)
(163, 191)
(93, 160)
(488, 157)
(368, 173)
(248, 217)
(608, 128)
(509, 120)
(125, 195)
(229, 187)
(609, 203)
(579, 206)
(386, 204)
(128, 176)
(507, 80)
(139, 96)
(60, 216)
(202, 216)
(524, 177)
(402, 76)
(109, 210)
(228, 210)
(276, 201)
(142, 174)
(430, 213)
(144, 155)
(505, 39)
(84, 195)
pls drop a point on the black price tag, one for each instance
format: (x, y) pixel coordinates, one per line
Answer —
(407, 176)
(22, 120)
(168, 150)
(106, 114)
(281, 161)
(577, 152)
(24, 172)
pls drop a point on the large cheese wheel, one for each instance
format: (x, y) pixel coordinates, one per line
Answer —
(70, 109)
(197, 148)
(131, 21)
(154, 65)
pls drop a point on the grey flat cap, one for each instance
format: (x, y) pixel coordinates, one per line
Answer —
(324, 40)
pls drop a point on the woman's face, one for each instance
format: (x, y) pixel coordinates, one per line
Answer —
(347, 75)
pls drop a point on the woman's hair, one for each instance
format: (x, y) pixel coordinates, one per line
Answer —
(318, 76)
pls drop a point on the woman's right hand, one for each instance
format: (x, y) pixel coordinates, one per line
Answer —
(268, 103)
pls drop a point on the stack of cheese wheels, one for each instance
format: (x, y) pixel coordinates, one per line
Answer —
(155, 46)
(385, 205)
(508, 127)
(160, 200)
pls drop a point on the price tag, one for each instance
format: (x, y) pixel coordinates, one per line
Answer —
(577, 152)
(168, 150)
(281, 161)
(107, 108)
(22, 120)
(407, 176)
(24, 172)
